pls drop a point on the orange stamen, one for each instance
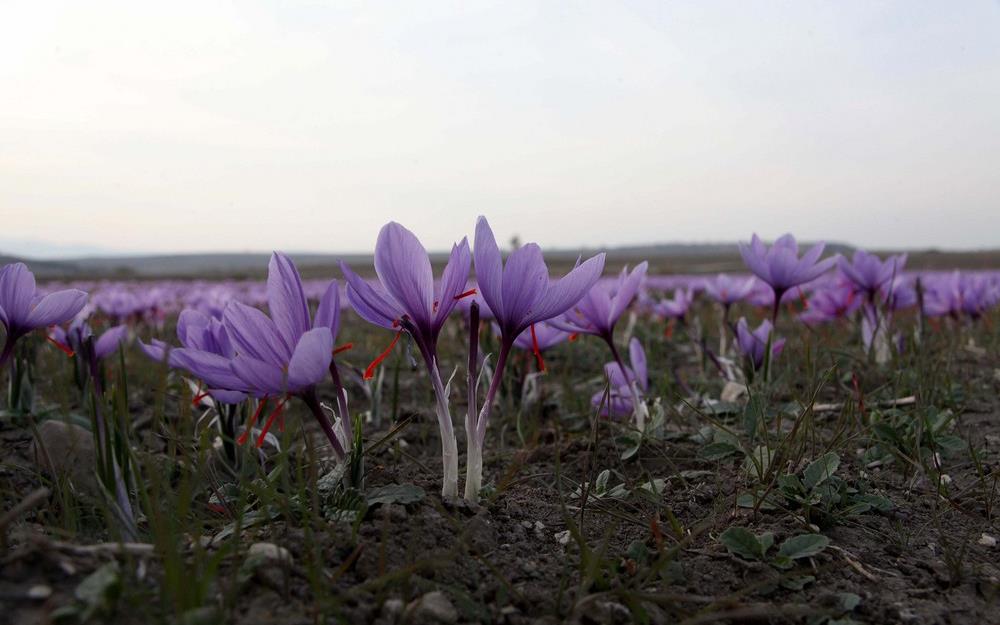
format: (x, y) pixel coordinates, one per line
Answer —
(669, 330)
(253, 419)
(370, 371)
(270, 420)
(343, 348)
(63, 348)
(466, 294)
(574, 336)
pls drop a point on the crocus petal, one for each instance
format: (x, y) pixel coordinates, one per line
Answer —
(453, 280)
(489, 267)
(55, 308)
(754, 260)
(311, 360)
(328, 313)
(525, 277)
(285, 299)
(628, 289)
(191, 322)
(264, 377)
(156, 350)
(637, 356)
(254, 334)
(110, 340)
(373, 306)
(17, 288)
(564, 293)
(212, 368)
(404, 269)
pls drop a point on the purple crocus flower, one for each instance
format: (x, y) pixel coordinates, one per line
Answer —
(619, 400)
(834, 302)
(73, 339)
(407, 300)
(22, 309)
(677, 307)
(780, 265)
(753, 344)
(206, 353)
(729, 290)
(519, 293)
(285, 353)
(869, 273)
(599, 311)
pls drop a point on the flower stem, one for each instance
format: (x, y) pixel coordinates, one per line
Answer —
(474, 459)
(309, 397)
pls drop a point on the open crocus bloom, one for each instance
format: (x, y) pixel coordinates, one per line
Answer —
(869, 273)
(619, 401)
(23, 309)
(729, 290)
(599, 310)
(780, 265)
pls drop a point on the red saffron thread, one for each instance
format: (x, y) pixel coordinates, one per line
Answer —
(466, 294)
(253, 419)
(63, 348)
(267, 425)
(538, 352)
(197, 398)
(343, 348)
(370, 371)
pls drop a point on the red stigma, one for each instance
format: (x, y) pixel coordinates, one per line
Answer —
(253, 419)
(669, 330)
(63, 348)
(197, 398)
(270, 420)
(370, 371)
(466, 294)
(574, 336)
(538, 352)
(343, 348)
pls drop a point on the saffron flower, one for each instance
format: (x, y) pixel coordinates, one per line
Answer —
(619, 400)
(284, 354)
(73, 339)
(753, 343)
(407, 300)
(598, 312)
(205, 353)
(780, 265)
(23, 310)
(676, 307)
(834, 302)
(729, 290)
(520, 294)
(869, 273)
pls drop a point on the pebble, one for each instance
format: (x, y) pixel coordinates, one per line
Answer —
(987, 541)
(271, 552)
(39, 592)
(434, 607)
(65, 449)
(562, 537)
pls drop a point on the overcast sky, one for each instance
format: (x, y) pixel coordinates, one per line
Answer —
(199, 126)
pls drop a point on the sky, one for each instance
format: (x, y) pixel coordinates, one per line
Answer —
(142, 127)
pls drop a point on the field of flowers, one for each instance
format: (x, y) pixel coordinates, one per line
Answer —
(816, 440)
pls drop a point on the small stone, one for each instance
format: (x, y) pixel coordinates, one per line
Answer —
(270, 552)
(562, 537)
(434, 607)
(987, 541)
(39, 592)
(392, 608)
(65, 449)
(732, 391)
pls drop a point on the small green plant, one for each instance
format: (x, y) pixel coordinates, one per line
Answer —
(818, 494)
(743, 543)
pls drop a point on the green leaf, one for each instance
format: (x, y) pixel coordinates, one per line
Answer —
(820, 470)
(739, 541)
(749, 500)
(797, 583)
(717, 451)
(395, 493)
(803, 546)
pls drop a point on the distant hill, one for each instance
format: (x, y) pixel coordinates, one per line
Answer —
(663, 258)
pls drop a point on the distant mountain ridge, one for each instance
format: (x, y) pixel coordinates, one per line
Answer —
(663, 258)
